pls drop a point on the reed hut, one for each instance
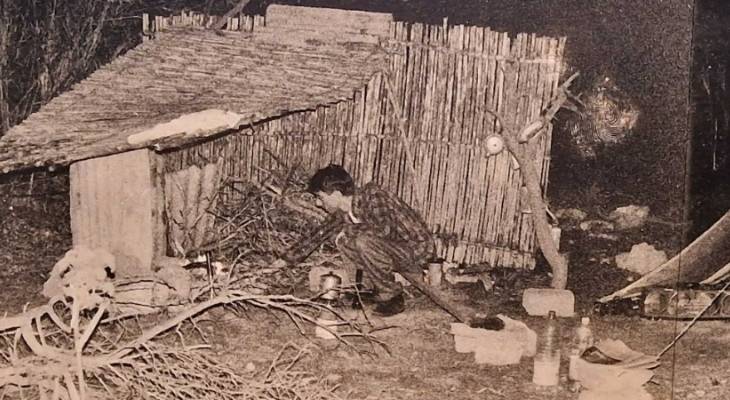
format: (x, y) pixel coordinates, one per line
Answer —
(409, 106)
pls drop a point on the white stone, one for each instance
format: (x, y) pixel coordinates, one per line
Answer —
(596, 225)
(400, 279)
(642, 259)
(542, 301)
(571, 214)
(82, 269)
(629, 217)
(454, 274)
(503, 347)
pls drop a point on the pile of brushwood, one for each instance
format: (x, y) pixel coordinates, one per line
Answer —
(104, 334)
(255, 223)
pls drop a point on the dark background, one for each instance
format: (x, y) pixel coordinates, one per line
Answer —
(710, 189)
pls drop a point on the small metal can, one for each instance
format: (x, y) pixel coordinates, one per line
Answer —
(330, 286)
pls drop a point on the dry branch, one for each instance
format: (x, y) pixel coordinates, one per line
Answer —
(531, 179)
(146, 364)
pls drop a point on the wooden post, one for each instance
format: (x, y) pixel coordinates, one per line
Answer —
(146, 29)
(115, 205)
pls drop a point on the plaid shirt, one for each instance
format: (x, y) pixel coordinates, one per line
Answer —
(380, 213)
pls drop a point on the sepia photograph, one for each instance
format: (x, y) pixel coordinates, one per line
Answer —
(364, 199)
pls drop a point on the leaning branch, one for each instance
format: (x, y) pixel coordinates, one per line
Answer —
(513, 140)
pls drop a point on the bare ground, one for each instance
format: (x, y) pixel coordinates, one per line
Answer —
(421, 362)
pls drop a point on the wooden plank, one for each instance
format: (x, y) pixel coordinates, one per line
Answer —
(310, 38)
(316, 19)
(159, 231)
(106, 213)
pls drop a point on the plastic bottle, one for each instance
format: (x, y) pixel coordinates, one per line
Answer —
(582, 340)
(546, 371)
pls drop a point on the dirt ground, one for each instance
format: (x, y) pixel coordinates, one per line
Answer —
(421, 363)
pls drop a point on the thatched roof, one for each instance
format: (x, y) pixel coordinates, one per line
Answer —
(258, 75)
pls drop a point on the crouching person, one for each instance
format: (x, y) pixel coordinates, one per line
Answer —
(375, 230)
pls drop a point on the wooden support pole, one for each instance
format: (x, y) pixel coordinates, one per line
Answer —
(531, 179)
(222, 21)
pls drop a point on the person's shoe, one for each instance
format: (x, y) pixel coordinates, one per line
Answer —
(488, 323)
(358, 299)
(393, 306)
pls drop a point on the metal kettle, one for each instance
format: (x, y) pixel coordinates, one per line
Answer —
(329, 286)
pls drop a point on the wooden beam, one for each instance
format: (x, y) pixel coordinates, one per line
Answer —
(334, 21)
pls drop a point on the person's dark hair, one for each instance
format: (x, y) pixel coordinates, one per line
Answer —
(331, 178)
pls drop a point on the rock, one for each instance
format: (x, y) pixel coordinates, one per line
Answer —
(454, 274)
(596, 225)
(454, 277)
(177, 278)
(542, 301)
(82, 273)
(571, 215)
(629, 217)
(250, 367)
(604, 236)
(400, 279)
(642, 259)
(503, 347)
(555, 233)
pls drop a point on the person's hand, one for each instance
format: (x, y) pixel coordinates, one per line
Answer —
(279, 264)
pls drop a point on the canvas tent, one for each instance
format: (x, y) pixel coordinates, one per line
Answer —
(705, 261)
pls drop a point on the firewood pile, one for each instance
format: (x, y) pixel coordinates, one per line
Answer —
(103, 335)
(255, 223)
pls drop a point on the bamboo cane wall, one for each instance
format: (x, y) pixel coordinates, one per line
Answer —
(447, 82)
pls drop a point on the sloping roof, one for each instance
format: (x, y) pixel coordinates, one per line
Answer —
(258, 75)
